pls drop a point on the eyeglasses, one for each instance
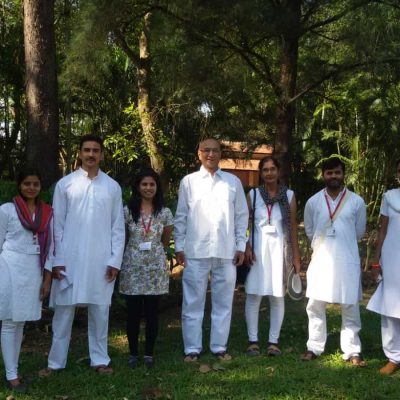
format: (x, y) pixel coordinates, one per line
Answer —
(208, 150)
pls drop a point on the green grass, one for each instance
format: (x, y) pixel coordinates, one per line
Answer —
(262, 377)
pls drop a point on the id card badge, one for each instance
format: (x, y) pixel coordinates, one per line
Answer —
(271, 229)
(331, 231)
(33, 249)
(145, 246)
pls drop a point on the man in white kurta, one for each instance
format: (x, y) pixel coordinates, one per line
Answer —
(89, 238)
(210, 237)
(334, 221)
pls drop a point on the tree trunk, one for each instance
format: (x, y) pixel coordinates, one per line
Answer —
(41, 88)
(144, 107)
(286, 110)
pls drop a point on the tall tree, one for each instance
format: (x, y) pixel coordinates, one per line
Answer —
(41, 88)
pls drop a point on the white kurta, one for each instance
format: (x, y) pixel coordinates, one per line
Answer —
(211, 216)
(20, 273)
(89, 235)
(266, 274)
(386, 299)
(334, 272)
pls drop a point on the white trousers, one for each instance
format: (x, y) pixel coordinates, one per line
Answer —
(390, 328)
(350, 343)
(194, 283)
(276, 314)
(97, 335)
(11, 340)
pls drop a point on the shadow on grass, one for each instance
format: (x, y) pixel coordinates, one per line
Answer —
(284, 377)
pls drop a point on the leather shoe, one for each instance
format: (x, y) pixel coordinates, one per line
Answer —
(389, 368)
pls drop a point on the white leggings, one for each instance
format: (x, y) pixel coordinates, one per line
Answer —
(276, 312)
(11, 340)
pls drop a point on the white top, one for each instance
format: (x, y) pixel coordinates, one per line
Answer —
(89, 235)
(20, 272)
(334, 272)
(386, 299)
(266, 274)
(211, 216)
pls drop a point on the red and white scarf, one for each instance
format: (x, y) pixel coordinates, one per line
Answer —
(40, 226)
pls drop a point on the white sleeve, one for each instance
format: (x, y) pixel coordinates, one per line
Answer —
(3, 227)
(361, 219)
(309, 220)
(60, 213)
(384, 207)
(117, 230)
(181, 215)
(241, 217)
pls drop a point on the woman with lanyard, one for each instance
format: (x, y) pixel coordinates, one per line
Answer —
(144, 272)
(24, 248)
(275, 252)
(386, 299)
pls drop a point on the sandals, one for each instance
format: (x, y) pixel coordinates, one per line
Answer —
(253, 350)
(357, 361)
(103, 369)
(389, 368)
(308, 355)
(223, 356)
(273, 350)
(191, 357)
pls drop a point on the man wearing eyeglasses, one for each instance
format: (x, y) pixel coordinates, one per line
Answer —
(210, 239)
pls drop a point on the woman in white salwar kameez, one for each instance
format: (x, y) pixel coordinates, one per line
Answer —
(275, 251)
(386, 299)
(24, 244)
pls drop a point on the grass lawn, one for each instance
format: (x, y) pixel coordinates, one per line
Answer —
(284, 377)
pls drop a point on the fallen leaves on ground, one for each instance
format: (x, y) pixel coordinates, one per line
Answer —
(204, 368)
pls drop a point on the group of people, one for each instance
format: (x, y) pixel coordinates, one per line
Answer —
(75, 249)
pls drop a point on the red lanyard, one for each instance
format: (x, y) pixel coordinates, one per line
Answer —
(146, 228)
(332, 214)
(269, 212)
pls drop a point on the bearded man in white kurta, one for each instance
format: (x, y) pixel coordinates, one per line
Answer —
(89, 235)
(210, 238)
(334, 220)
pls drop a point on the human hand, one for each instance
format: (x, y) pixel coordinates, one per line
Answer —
(46, 285)
(238, 258)
(297, 266)
(111, 273)
(57, 272)
(180, 257)
(249, 256)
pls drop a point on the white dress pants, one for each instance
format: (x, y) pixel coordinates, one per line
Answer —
(194, 283)
(390, 328)
(11, 340)
(350, 343)
(97, 335)
(276, 312)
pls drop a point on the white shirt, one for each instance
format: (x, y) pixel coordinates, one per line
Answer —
(89, 234)
(334, 271)
(211, 216)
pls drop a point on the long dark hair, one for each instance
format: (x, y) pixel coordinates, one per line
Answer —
(23, 173)
(136, 200)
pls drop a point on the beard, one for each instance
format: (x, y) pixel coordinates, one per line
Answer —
(334, 184)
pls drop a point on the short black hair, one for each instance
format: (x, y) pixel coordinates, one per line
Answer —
(24, 172)
(331, 163)
(91, 138)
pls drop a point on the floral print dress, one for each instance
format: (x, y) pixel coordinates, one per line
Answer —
(145, 272)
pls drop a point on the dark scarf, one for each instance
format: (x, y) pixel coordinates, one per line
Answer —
(282, 200)
(40, 226)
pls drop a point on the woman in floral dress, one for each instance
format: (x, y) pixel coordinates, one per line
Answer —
(144, 273)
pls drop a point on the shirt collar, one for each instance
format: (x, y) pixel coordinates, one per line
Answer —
(338, 196)
(204, 172)
(84, 173)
